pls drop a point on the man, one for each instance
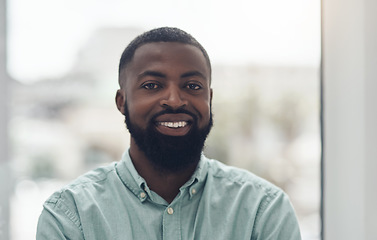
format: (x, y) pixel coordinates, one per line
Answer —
(164, 188)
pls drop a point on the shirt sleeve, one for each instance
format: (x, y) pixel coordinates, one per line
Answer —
(58, 222)
(276, 219)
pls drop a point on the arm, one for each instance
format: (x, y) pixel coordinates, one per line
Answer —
(276, 219)
(58, 222)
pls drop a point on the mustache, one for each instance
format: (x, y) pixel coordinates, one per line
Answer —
(172, 111)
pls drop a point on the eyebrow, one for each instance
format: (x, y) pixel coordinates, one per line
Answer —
(192, 74)
(151, 73)
(161, 75)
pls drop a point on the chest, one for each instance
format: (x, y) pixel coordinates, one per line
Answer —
(201, 217)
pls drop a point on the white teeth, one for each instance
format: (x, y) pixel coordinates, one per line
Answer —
(174, 124)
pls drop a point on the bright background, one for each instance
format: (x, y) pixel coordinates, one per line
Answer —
(44, 36)
(63, 57)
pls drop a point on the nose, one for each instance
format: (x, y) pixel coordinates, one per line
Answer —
(173, 98)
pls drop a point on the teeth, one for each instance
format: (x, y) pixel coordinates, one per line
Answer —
(173, 124)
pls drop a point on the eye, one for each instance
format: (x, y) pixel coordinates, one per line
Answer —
(150, 86)
(193, 86)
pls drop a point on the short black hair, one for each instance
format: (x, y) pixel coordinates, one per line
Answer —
(163, 34)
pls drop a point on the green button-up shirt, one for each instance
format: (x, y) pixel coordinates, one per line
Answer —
(218, 202)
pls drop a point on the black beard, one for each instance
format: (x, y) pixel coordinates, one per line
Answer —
(170, 153)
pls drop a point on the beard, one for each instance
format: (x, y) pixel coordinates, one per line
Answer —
(169, 153)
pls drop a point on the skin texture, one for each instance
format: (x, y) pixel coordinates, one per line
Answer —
(165, 75)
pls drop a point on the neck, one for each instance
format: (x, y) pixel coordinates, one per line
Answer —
(164, 183)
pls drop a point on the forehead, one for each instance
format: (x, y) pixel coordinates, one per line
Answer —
(168, 56)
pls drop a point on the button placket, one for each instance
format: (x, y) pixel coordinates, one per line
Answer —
(172, 222)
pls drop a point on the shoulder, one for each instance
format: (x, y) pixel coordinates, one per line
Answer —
(241, 180)
(269, 207)
(86, 184)
(60, 216)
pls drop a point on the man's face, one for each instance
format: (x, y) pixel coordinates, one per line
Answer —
(167, 102)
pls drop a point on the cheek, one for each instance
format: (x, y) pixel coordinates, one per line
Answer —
(140, 108)
(208, 113)
(204, 109)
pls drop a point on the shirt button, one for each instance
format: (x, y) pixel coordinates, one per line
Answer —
(193, 191)
(143, 195)
(170, 211)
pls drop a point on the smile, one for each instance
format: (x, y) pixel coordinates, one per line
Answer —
(177, 124)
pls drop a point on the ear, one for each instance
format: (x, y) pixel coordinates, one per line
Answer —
(120, 100)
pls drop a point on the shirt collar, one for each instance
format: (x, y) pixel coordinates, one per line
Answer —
(133, 181)
(199, 174)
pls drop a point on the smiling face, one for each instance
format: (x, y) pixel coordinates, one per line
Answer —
(168, 75)
(166, 94)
